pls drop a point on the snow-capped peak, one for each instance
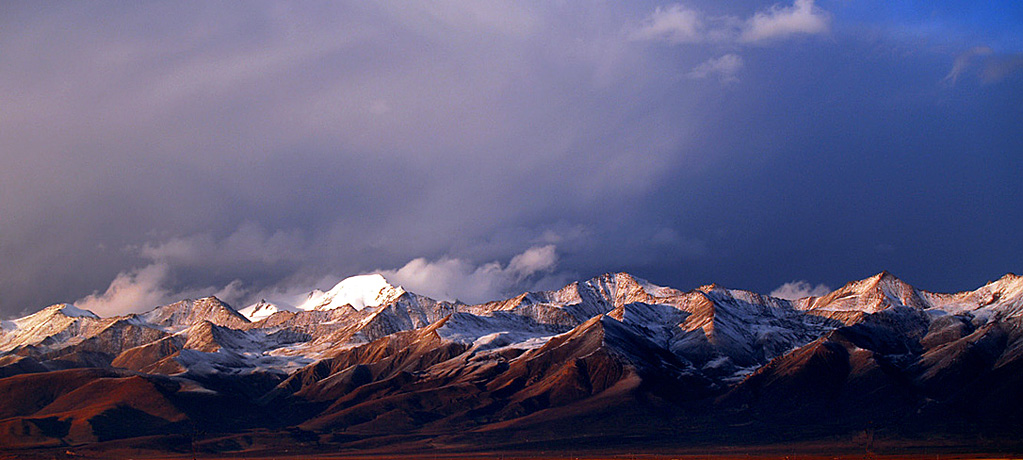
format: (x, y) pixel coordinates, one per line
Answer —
(358, 291)
(871, 295)
(260, 310)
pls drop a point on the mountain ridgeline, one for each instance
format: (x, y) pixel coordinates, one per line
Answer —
(611, 363)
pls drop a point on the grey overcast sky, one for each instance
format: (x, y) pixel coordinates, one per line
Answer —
(151, 151)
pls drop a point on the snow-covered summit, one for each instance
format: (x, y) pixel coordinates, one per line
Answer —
(261, 310)
(360, 292)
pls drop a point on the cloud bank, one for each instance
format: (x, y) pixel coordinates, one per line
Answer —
(447, 278)
(155, 150)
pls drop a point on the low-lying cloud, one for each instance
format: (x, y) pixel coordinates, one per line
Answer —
(799, 289)
(140, 290)
(457, 279)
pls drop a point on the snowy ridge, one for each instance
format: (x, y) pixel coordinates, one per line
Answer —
(370, 359)
(1003, 296)
(210, 349)
(723, 332)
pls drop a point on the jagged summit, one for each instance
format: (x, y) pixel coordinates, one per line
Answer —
(870, 295)
(359, 291)
(188, 312)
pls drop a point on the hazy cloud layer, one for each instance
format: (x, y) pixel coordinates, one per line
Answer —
(150, 151)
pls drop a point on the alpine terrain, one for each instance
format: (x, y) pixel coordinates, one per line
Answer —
(610, 364)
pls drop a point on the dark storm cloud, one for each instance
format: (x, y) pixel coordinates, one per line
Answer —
(156, 151)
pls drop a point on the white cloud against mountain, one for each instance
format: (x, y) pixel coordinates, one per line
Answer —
(799, 289)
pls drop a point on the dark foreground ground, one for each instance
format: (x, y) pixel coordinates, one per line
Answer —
(271, 446)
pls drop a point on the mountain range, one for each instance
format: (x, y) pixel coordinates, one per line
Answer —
(610, 364)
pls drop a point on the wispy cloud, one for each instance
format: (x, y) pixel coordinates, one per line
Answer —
(672, 24)
(679, 24)
(725, 68)
(990, 66)
(964, 61)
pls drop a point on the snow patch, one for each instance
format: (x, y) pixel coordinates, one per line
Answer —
(75, 312)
